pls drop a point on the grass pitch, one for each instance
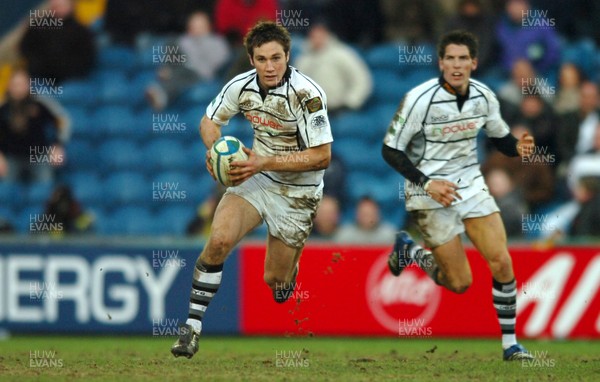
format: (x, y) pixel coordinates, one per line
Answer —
(114, 358)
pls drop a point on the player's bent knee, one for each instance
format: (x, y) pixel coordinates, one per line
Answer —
(218, 247)
(460, 286)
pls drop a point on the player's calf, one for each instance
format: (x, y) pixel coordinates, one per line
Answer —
(282, 289)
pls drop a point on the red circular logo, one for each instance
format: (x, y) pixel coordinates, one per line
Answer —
(412, 298)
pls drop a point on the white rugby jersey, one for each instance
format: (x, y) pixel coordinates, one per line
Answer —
(291, 118)
(441, 140)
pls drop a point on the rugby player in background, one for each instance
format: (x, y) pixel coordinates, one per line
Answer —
(432, 142)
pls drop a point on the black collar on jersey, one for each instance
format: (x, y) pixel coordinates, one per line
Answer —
(460, 99)
(284, 80)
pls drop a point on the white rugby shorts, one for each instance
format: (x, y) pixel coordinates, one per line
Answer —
(440, 225)
(289, 219)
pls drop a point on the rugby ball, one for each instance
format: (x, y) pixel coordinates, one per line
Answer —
(224, 151)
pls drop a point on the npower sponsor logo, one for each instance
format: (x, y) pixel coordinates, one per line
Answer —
(258, 120)
(559, 297)
(412, 297)
(455, 128)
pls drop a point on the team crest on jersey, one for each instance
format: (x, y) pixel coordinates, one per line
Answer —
(314, 104)
(318, 122)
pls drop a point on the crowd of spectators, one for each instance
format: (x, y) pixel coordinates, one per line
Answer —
(557, 101)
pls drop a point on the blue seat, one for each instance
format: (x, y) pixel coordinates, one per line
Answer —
(166, 154)
(127, 187)
(87, 187)
(117, 91)
(115, 56)
(174, 219)
(82, 93)
(202, 92)
(129, 221)
(80, 121)
(11, 195)
(583, 54)
(359, 155)
(7, 213)
(39, 193)
(28, 215)
(120, 154)
(114, 121)
(389, 86)
(384, 56)
(81, 155)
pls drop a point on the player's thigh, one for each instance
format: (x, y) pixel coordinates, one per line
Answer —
(233, 219)
(280, 261)
(488, 235)
(453, 263)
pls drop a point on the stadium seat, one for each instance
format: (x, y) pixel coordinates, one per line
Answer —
(12, 194)
(174, 219)
(127, 187)
(25, 216)
(118, 91)
(384, 56)
(81, 155)
(388, 86)
(201, 93)
(87, 188)
(583, 54)
(130, 221)
(355, 125)
(358, 155)
(80, 122)
(114, 121)
(165, 154)
(81, 93)
(117, 57)
(120, 154)
(39, 193)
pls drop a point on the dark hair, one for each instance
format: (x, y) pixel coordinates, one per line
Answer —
(264, 32)
(459, 37)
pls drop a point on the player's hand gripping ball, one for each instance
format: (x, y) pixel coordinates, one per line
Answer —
(224, 151)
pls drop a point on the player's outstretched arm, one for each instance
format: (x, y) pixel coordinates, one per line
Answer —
(311, 159)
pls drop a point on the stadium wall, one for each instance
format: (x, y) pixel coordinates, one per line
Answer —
(342, 290)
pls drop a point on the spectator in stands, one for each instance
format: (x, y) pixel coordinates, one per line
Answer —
(539, 117)
(124, 20)
(233, 18)
(474, 18)
(28, 150)
(411, 22)
(335, 179)
(367, 227)
(587, 194)
(205, 54)
(520, 38)
(341, 72)
(577, 129)
(67, 212)
(56, 46)
(509, 199)
(567, 96)
(358, 22)
(524, 82)
(202, 221)
(535, 177)
(326, 221)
